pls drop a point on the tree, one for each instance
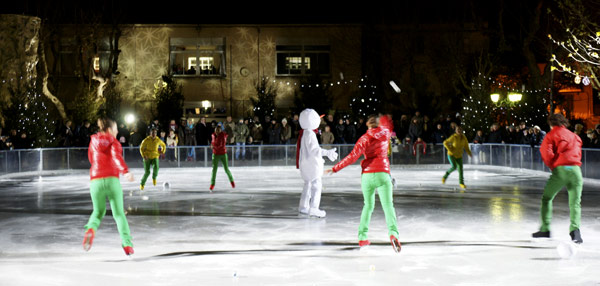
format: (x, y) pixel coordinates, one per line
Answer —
(168, 98)
(313, 93)
(367, 100)
(264, 103)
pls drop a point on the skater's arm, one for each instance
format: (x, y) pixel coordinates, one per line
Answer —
(163, 146)
(547, 152)
(386, 122)
(117, 156)
(357, 151)
(143, 148)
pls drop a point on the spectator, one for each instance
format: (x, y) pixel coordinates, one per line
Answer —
(327, 137)
(419, 119)
(495, 134)
(362, 128)
(274, 132)
(415, 130)
(123, 135)
(339, 132)
(295, 128)
(512, 135)
(538, 136)
(135, 139)
(3, 143)
(402, 127)
(582, 134)
(329, 121)
(593, 139)
(521, 136)
(84, 134)
(66, 136)
(350, 132)
(229, 125)
(427, 127)
(257, 132)
(172, 141)
(419, 144)
(190, 139)
(153, 125)
(479, 138)
(286, 132)
(597, 129)
(181, 131)
(447, 124)
(438, 135)
(202, 132)
(13, 137)
(240, 132)
(22, 142)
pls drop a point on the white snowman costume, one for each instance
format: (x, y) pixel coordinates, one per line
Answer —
(310, 162)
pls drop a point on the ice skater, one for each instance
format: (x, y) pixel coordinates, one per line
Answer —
(561, 152)
(105, 157)
(309, 159)
(375, 175)
(456, 145)
(219, 139)
(151, 149)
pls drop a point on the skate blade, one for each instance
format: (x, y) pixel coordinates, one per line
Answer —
(396, 245)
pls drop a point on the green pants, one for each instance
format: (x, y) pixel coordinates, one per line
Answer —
(382, 182)
(455, 163)
(147, 164)
(110, 188)
(215, 165)
(569, 176)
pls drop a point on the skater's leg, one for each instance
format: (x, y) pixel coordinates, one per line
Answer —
(215, 167)
(553, 186)
(574, 187)
(385, 191)
(459, 167)
(316, 187)
(452, 161)
(305, 198)
(115, 195)
(369, 203)
(147, 163)
(98, 194)
(155, 168)
(226, 167)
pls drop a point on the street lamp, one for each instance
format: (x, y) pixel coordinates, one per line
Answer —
(514, 97)
(129, 118)
(495, 97)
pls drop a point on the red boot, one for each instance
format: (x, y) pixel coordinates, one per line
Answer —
(128, 250)
(212, 187)
(395, 243)
(362, 243)
(233, 184)
(88, 239)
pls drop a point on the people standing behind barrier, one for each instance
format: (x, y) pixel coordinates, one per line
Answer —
(85, 131)
(339, 132)
(181, 131)
(123, 135)
(135, 139)
(202, 132)
(521, 136)
(65, 135)
(190, 139)
(593, 138)
(327, 137)
(427, 127)
(537, 136)
(350, 132)
(438, 136)
(579, 131)
(286, 132)
(256, 131)
(172, 142)
(362, 128)
(495, 136)
(153, 125)
(330, 122)
(419, 146)
(228, 126)
(240, 132)
(295, 128)
(415, 130)
(274, 132)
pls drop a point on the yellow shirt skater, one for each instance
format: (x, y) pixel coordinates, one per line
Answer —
(151, 148)
(456, 145)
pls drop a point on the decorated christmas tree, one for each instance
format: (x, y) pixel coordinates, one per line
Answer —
(367, 100)
(264, 102)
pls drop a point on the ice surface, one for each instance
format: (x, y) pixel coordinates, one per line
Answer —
(252, 235)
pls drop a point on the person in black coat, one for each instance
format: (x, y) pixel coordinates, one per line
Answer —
(415, 130)
(339, 132)
(350, 132)
(495, 135)
(438, 136)
(274, 132)
(202, 132)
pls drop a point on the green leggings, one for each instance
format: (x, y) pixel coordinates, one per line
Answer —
(215, 165)
(455, 163)
(382, 182)
(569, 176)
(147, 164)
(109, 187)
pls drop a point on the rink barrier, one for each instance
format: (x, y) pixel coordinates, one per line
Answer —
(505, 155)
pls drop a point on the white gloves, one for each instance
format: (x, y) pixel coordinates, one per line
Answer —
(331, 154)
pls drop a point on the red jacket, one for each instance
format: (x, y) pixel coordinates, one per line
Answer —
(218, 143)
(106, 156)
(374, 146)
(561, 147)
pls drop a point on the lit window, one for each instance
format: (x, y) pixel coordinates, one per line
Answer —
(302, 59)
(197, 56)
(97, 64)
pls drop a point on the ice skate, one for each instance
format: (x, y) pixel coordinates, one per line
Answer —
(576, 236)
(443, 180)
(233, 185)
(317, 212)
(88, 239)
(541, 234)
(462, 186)
(364, 243)
(141, 187)
(303, 211)
(212, 187)
(395, 244)
(154, 182)
(128, 250)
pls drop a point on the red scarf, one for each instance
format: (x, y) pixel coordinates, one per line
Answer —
(298, 146)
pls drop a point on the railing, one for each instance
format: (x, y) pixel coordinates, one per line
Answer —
(515, 156)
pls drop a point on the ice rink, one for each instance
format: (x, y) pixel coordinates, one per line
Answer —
(252, 235)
